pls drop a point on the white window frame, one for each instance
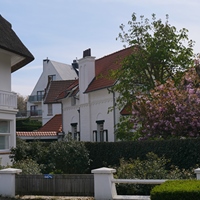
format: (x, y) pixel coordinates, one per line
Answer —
(6, 134)
(49, 109)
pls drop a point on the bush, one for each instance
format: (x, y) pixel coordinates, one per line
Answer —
(68, 157)
(28, 166)
(177, 190)
(151, 168)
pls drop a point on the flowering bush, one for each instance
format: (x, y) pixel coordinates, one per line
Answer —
(169, 111)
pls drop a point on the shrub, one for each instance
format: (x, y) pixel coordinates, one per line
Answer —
(68, 157)
(28, 166)
(153, 167)
(177, 190)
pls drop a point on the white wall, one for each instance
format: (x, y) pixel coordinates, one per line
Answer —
(56, 109)
(96, 109)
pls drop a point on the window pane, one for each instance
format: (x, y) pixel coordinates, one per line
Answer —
(4, 142)
(4, 127)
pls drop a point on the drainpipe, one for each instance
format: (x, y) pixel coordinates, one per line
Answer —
(114, 112)
(79, 119)
(62, 120)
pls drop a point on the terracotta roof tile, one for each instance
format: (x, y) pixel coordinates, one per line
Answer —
(36, 134)
(54, 124)
(54, 89)
(103, 66)
(67, 90)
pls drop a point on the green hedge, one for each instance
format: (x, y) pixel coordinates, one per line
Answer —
(182, 153)
(177, 190)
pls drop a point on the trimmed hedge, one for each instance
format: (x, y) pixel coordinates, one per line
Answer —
(177, 190)
(183, 153)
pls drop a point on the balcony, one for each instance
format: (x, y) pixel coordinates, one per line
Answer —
(33, 113)
(35, 98)
(8, 100)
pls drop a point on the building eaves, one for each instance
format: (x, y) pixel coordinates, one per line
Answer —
(10, 42)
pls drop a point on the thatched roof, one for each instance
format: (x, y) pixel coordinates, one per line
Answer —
(9, 41)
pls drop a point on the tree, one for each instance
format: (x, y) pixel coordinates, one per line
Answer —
(169, 111)
(21, 102)
(158, 54)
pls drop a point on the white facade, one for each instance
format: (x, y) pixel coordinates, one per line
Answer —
(88, 115)
(51, 71)
(8, 109)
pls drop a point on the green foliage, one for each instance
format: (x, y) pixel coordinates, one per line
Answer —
(68, 157)
(177, 190)
(168, 111)
(27, 124)
(183, 153)
(28, 166)
(160, 52)
(153, 167)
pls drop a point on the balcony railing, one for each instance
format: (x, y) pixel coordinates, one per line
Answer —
(34, 113)
(35, 98)
(8, 99)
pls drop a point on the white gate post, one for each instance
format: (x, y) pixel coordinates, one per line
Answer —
(197, 171)
(104, 189)
(7, 181)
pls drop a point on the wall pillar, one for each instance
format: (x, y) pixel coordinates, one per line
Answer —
(197, 172)
(104, 189)
(7, 181)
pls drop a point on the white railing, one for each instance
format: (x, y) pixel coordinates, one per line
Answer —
(104, 184)
(8, 99)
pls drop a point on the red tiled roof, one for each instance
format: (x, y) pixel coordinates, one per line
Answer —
(126, 110)
(54, 89)
(67, 90)
(102, 68)
(36, 134)
(104, 65)
(54, 124)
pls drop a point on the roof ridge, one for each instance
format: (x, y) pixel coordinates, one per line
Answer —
(116, 52)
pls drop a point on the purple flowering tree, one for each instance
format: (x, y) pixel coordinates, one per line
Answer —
(169, 111)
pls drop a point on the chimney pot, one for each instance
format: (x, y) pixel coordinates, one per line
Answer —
(86, 53)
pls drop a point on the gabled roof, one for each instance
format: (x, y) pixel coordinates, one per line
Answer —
(10, 42)
(102, 68)
(54, 124)
(72, 90)
(54, 89)
(49, 131)
(104, 65)
(64, 70)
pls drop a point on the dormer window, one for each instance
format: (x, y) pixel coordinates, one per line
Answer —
(51, 78)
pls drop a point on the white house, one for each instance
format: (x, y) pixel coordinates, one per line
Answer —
(13, 56)
(87, 100)
(51, 71)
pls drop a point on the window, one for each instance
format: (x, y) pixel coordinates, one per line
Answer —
(75, 134)
(100, 135)
(4, 134)
(50, 109)
(40, 95)
(51, 78)
(34, 111)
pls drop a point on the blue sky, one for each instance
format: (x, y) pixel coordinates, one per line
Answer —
(62, 29)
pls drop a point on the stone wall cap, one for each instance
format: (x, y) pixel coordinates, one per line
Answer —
(10, 171)
(103, 170)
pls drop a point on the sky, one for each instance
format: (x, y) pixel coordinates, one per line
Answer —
(62, 29)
